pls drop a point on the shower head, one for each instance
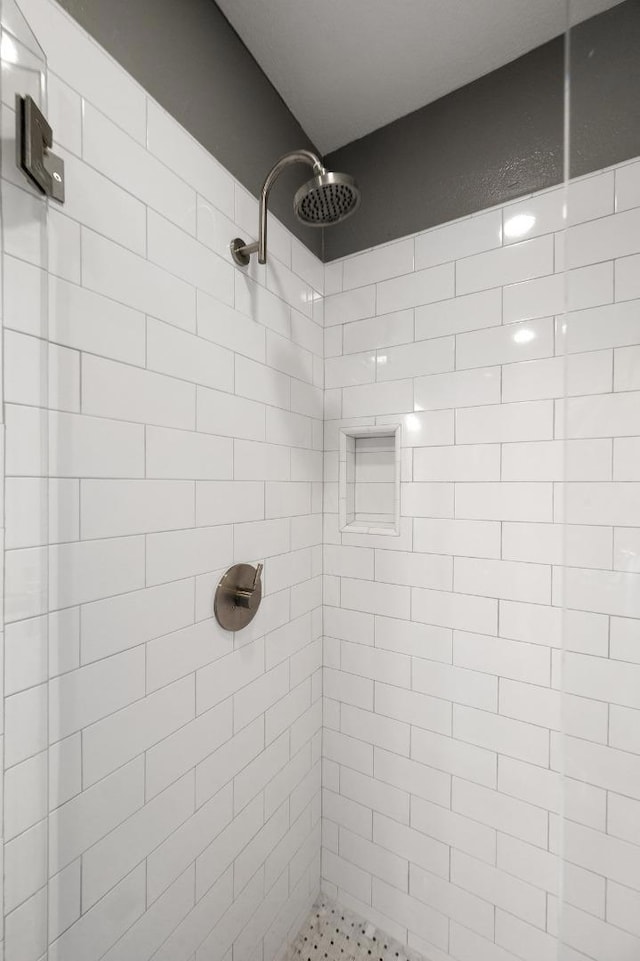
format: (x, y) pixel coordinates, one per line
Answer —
(326, 199)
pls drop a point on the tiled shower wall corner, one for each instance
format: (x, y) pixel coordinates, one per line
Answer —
(185, 433)
(444, 669)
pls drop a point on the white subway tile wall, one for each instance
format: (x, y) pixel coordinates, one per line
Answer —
(184, 433)
(458, 693)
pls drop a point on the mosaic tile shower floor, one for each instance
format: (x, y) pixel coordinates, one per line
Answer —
(331, 933)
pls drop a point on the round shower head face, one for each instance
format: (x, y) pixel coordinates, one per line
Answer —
(326, 199)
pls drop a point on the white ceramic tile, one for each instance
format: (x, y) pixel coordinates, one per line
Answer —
(574, 290)
(65, 113)
(178, 253)
(507, 814)
(602, 503)
(107, 148)
(82, 572)
(577, 374)
(116, 508)
(627, 280)
(457, 537)
(507, 265)
(24, 234)
(229, 328)
(557, 460)
(590, 197)
(458, 611)
(611, 326)
(510, 501)
(342, 308)
(81, 446)
(360, 595)
(473, 462)
(289, 428)
(306, 265)
(504, 579)
(454, 241)
(40, 374)
(501, 345)
(64, 241)
(27, 501)
(602, 415)
(181, 354)
(291, 288)
(416, 570)
(528, 663)
(423, 428)
(395, 397)
(83, 320)
(626, 458)
(127, 620)
(378, 264)
(470, 312)
(187, 455)
(421, 287)
(127, 393)
(384, 331)
(627, 369)
(98, 929)
(119, 274)
(575, 545)
(628, 186)
(457, 389)
(92, 692)
(100, 204)
(261, 305)
(178, 150)
(412, 360)
(603, 592)
(541, 214)
(261, 538)
(230, 416)
(352, 369)
(604, 239)
(172, 555)
(427, 500)
(505, 422)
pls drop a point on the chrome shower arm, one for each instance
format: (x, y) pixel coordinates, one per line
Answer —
(296, 156)
(242, 252)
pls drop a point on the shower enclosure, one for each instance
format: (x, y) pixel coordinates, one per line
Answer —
(433, 448)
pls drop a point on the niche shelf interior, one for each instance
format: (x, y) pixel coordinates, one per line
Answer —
(369, 479)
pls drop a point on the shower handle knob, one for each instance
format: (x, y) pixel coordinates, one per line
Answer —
(245, 595)
(238, 596)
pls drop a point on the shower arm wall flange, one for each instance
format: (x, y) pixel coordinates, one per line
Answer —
(241, 251)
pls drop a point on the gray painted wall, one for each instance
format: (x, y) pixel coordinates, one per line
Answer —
(494, 139)
(488, 142)
(500, 136)
(605, 89)
(186, 54)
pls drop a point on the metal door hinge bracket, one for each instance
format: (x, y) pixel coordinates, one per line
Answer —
(34, 138)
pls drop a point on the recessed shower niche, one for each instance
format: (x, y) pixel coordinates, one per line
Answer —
(369, 479)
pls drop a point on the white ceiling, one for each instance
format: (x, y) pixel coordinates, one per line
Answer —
(347, 67)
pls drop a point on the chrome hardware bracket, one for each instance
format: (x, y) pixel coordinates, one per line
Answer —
(34, 138)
